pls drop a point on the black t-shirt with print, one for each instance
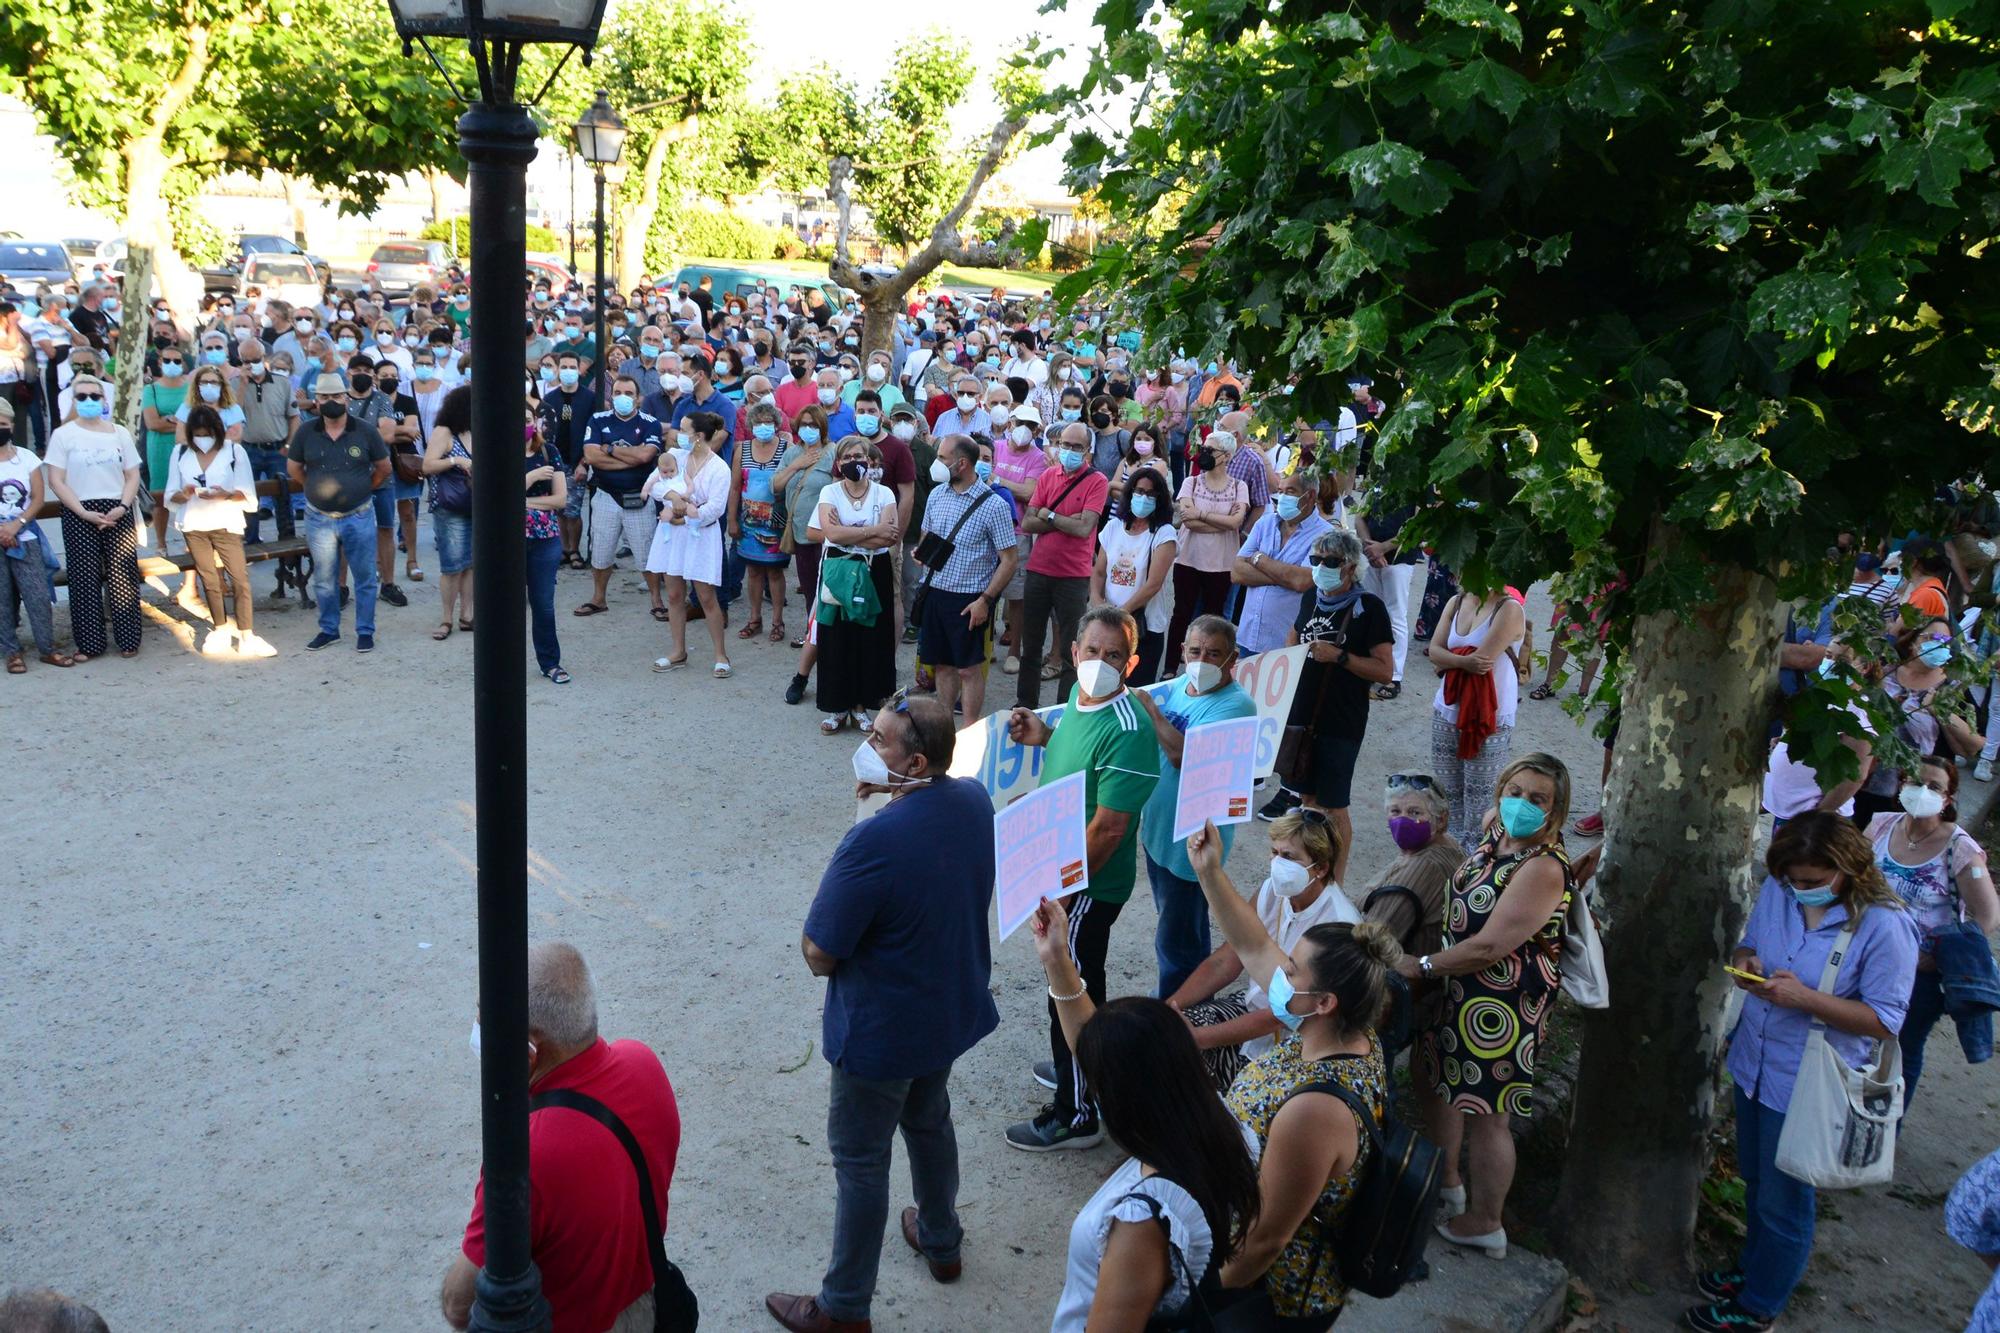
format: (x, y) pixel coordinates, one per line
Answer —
(1343, 711)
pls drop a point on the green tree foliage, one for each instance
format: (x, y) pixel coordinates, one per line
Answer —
(707, 233)
(912, 170)
(815, 118)
(1670, 292)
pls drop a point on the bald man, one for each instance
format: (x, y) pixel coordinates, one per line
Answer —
(588, 1229)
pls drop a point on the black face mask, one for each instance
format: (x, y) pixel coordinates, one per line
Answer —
(334, 410)
(853, 469)
(800, 370)
(362, 385)
(1205, 460)
(6, 436)
(1120, 389)
(389, 387)
(1101, 420)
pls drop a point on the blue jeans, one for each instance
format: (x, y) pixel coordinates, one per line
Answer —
(330, 538)
(862, 1117)
(1181, 940)
(1926, 1008)
(544, 555)
(453, 533)
(1777, 1212)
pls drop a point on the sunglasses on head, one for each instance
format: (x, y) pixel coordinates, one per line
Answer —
(1312, 816)
(1417, 781)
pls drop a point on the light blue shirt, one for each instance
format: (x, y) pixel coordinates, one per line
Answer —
(1268, 611)
(1186, 711)
(953, 422)
(1881, 967)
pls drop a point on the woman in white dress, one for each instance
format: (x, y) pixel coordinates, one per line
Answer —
(687, 547)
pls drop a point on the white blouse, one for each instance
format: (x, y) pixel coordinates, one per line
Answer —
(229, 471)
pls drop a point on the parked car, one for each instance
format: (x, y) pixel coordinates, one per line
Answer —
(743, 280)
(548, 268)
(403, 266)
(289, 278)
(226, 276)
(28, 263)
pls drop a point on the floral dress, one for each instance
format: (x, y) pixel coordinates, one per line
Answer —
(1305, 1279)
(1486, 1045)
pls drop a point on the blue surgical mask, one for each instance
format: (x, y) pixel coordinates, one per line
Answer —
(423, 372)
(568, 376)
(867, 423)
(1072, 414)
(1143, 505)
(983, 470)
(622, 404)
(1287, 506)
(89, 408)
(993, 360)
(809, 435)
(762, 431)
(1521, 818)
(1279, 996)
(1071, 459)
(345, 344)
(1327, 578)
(1819, 897)
(216, 356)
(1935, 653)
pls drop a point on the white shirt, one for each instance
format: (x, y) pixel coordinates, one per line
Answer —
(1187, 1232)
(229, 471)
(1791, 788)
(16, 484)
(1034, 370)
(1127, 557)
(94, 461)
(851, 513)
(1286, 926)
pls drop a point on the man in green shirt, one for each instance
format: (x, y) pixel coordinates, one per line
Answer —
(1105, 735)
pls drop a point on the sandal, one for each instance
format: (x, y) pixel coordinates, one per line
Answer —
(799, 642)
(670, 663)
(591, 609)
(442, 632)
(777, 631)
(1050, 671)
(413, 574)
(660, 614)
(78, 659)
(751, 629)
(863, 719)
(15, 666)
(58, 659)
(557, 675)
(722, 671)
(832, 723)
(1384, 693)
(465, 625)
(1541, 691)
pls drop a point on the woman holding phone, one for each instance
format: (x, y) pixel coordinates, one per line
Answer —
(1823, 886)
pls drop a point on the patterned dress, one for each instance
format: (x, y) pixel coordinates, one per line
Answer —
(1304, 1279)
(1486, 1045)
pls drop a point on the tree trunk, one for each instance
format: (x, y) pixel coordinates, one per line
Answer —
(295, 210)
(149, 251)
(1679, 870)
(635, 219)
(435, 179)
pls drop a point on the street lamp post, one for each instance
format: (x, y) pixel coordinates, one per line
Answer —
(497, 138)
(600, 139)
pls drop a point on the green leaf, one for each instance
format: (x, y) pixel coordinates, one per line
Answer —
(1482, 15)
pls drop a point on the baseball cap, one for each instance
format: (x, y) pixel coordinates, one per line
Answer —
(1026, 412)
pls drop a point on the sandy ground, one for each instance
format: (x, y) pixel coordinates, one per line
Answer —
(240, 972)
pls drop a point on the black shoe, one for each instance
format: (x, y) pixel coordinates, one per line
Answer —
(1720, 1284)
(1048, 1132)
(796, 691)
(343, 599)
(320, 641)
(1281, 804)
(909, 634)
(364, 643)
(393, 595)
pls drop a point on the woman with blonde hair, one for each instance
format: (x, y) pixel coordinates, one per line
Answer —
(1824, 894)
(1500, 964)
(93, 469)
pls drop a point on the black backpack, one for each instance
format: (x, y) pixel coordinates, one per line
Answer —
(1381, 1239)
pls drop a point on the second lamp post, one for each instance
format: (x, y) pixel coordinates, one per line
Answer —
(600, 139)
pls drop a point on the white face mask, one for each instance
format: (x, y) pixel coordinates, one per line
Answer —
(827, 397)
(207, 442)
(1921, 801)
(870, 767)
(1288, 878)
(904, 431)
(1204, 676)
(940, 474)
(878, 372)
(1098, 678)
(966, 402)
(1021, 435)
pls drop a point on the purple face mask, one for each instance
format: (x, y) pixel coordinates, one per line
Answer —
(1410, 834)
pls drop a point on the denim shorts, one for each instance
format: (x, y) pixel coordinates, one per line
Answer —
(384, 500)
(579, 495)
(407, 490)
(454, 541)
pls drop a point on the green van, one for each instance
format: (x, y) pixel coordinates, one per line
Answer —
(743, 280)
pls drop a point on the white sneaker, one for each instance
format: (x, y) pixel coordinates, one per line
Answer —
(219, 643)
(249, 645)
(1493, 1244)
(1983, 770)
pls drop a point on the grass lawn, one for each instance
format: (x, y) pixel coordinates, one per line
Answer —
(1013, 279)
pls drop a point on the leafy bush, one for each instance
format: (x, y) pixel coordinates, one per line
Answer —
(789, 245)
(707, 233)
(458, 233)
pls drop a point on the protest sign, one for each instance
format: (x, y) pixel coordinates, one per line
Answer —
(1218, 775)
(1038, 851)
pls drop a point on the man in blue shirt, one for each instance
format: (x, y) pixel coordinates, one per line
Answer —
(898, 928)
(1207, 692)
(965, 416)
(1272, 566)
(621, 446)
(699, 369)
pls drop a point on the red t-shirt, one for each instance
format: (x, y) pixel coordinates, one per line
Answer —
(1057, 554)
(585, 1224)
(793, 396)
(899, 467)
(937, 406)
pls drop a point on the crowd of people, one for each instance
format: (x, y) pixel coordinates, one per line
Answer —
(998, 486)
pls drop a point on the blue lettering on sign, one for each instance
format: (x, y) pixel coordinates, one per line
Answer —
(1270, 730)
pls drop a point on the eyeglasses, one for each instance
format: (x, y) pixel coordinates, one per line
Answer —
(89, 398)
(1415, 781)
(1326, 561)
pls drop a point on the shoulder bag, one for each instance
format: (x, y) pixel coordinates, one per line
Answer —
(1840, 1130)
(675, 1309)
(935, 552)
(452, 491)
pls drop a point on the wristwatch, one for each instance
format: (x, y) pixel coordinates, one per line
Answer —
(1424, 966)
(1342, 659)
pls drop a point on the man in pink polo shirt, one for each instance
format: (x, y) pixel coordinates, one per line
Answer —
(1062, 514)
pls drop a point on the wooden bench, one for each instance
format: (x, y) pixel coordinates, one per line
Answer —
(289, 550)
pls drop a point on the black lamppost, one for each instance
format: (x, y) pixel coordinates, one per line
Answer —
(600, 138)
(498, 140)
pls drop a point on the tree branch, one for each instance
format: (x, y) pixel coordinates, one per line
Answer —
(181, 87)
(842, 269)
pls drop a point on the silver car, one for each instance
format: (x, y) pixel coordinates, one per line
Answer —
(403, 266)
(29, 263)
